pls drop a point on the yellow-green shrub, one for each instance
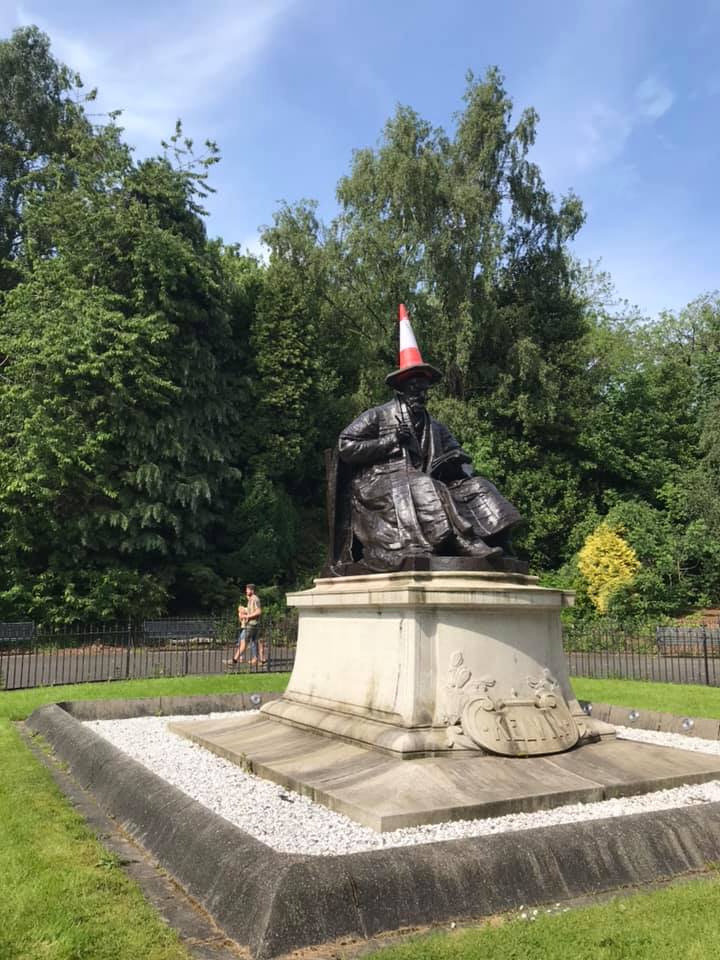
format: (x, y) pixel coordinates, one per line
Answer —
(606, 562)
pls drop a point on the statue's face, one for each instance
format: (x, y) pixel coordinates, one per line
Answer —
(414, 391)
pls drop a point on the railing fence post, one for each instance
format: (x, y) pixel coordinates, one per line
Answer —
(128, 641)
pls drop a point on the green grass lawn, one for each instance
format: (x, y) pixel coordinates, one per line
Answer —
(65, 898)
(18, 704)
(677, 923)
(685, 701)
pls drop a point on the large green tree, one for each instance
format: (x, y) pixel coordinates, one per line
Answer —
(461, 228)
(40, 109)
(122, 389)
(643, 427)
(651, 454)
(696, 490)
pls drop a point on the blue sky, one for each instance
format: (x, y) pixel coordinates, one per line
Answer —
(628, 93)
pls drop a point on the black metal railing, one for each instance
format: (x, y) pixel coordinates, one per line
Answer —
(33, 655)
(666, 654)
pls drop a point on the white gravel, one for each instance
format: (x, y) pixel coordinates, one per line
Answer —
(291, 823)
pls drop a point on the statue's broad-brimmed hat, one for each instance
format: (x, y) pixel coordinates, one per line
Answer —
(411, 362)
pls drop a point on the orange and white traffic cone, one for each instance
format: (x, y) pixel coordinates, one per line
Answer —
(410, 361)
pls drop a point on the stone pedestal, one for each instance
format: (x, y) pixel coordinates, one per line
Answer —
(434, 664)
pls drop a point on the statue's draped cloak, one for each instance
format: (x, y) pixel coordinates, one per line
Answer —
(413, 500)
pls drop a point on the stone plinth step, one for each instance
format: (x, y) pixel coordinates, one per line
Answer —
(385, 793)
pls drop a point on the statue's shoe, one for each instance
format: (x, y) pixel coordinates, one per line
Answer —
(478, 549)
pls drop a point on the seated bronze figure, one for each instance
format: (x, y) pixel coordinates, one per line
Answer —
(402, 490)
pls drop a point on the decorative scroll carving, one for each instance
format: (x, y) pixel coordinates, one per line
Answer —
(544, 684)
(460, 687)
(522, 725)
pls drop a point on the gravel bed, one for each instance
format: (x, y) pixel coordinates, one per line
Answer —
(291, 823)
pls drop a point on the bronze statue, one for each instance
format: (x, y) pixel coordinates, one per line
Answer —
(404, 490)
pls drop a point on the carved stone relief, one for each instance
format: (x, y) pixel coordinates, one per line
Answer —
(529, 723)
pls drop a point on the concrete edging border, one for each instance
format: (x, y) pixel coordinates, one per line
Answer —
(273, 903)
(688, 725)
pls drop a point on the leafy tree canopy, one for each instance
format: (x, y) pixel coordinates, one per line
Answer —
(122, 391)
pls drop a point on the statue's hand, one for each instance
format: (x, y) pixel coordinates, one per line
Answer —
(403, 433)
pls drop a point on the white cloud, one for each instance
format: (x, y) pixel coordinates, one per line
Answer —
(653, 98)
(601, 135)
(603, 130)
(581, 139)
(157, 69)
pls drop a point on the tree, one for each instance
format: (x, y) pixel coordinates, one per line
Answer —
(295, 342)
(463, 230)
(700, 325)
(40, 108)
(122, 390)
(643, 428)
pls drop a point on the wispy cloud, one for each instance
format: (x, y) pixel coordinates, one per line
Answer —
(156, 69)
(605, 129)
(653, 98)
(601, 134)
(591, 105)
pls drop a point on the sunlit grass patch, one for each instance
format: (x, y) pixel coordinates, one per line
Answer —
(682, 699)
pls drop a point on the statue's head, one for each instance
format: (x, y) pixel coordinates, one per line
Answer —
(413, 389)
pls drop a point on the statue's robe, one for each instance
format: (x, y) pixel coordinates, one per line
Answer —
(412, 500)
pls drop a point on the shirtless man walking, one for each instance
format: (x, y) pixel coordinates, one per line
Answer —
(248, 617)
